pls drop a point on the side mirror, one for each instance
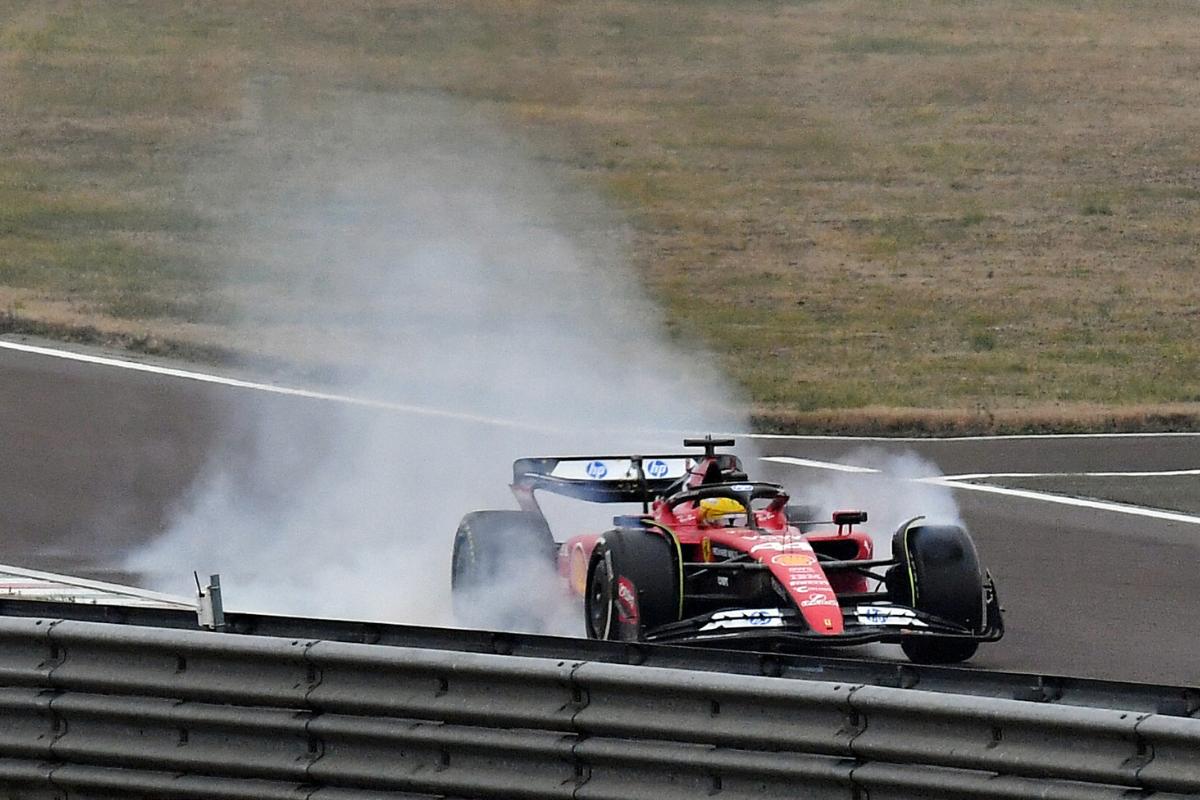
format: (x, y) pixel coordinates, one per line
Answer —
(841, 518)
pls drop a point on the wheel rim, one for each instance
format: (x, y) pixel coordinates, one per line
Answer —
(599, 602)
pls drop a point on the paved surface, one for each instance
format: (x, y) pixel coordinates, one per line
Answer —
(95, 461)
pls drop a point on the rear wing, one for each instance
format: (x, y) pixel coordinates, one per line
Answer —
(601, 479)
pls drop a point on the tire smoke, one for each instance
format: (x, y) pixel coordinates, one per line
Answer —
(891, 496)
(412, 247)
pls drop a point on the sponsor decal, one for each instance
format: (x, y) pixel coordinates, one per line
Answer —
(725, 552)
(618, 469)
(805, 574)
(742, 487)
(888, 615)
(706, 550)
(794, 560)
(746, 618)
(723, 580)
(627, 605)
(873, 616)
(818, 599)
(780, 547)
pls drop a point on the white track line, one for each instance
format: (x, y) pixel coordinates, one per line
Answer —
(957, 482)
(97, 587)
(830, 465)
(435, 412)
(1078, 502)
(1167, 473)
(266, 387)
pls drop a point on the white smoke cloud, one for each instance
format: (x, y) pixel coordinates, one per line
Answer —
(443, 268)
(891, 496)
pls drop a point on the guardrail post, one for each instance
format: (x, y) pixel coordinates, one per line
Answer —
(210, 609)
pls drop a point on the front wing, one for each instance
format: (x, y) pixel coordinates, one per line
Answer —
(881, 621)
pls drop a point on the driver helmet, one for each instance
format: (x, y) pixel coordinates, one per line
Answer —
(723, 512)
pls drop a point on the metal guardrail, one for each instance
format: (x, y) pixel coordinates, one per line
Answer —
(96, 710)
(1057, 689)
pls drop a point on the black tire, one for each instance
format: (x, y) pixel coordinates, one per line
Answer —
(632, 571)
(500, 562)
(940, 564)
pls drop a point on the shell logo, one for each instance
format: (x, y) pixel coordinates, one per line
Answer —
(794, 560)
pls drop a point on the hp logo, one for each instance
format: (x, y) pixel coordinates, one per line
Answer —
(657, 469)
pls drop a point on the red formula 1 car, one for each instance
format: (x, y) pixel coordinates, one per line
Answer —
(718, 558)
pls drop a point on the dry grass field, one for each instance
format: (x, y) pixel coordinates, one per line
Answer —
(921, 215)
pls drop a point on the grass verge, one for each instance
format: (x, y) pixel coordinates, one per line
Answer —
(864, 209)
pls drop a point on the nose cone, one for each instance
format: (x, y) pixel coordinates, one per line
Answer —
(798, 571)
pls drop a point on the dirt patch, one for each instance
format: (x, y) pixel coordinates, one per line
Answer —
(1081, 418)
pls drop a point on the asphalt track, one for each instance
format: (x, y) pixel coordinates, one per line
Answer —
(94, 459)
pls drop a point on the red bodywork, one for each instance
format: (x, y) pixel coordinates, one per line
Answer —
(789, 554)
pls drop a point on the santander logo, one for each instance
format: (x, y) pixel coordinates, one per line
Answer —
(627, 606)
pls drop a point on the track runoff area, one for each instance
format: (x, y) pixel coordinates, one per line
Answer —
(1094, 539)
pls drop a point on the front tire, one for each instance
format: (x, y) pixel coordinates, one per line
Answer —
(939, 574)
(634, 585)
(503, 562)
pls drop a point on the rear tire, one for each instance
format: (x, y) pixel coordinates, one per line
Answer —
(633, 585)
(940, 564)
(503, 562)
